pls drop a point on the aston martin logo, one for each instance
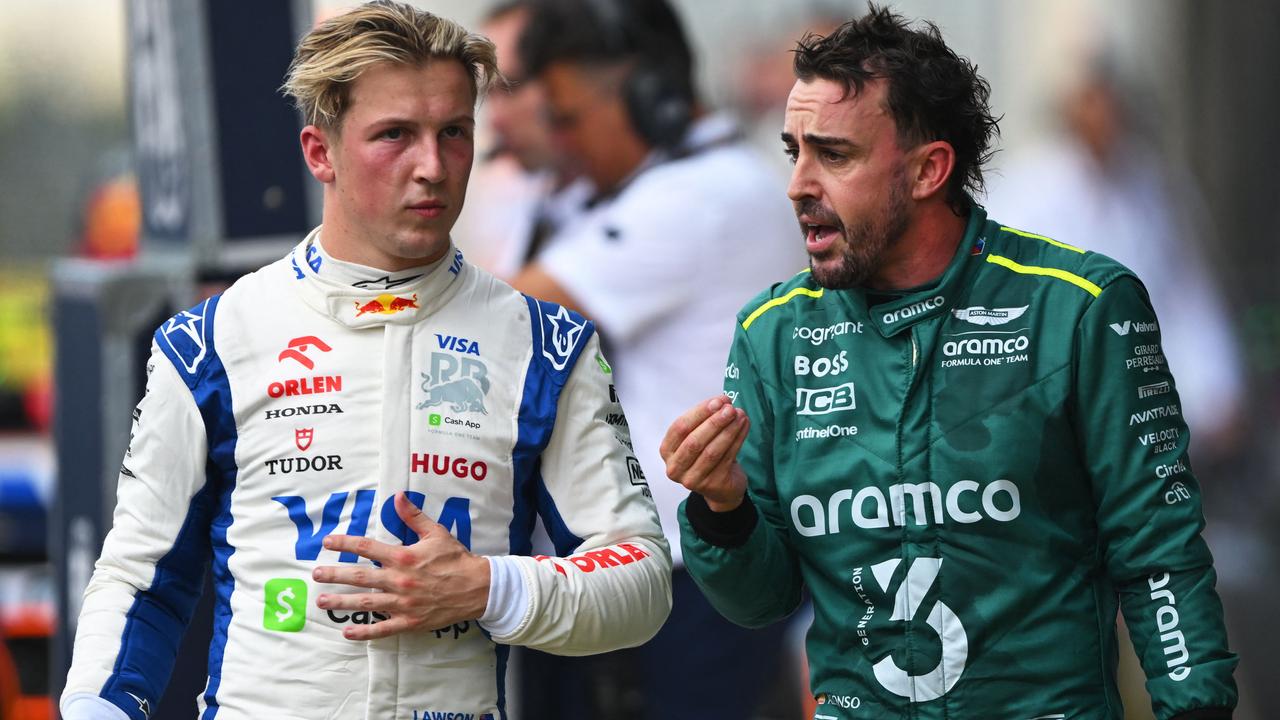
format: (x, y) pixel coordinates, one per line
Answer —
(979, 315)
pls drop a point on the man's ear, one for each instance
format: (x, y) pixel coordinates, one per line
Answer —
(931, 169)
(316, 145)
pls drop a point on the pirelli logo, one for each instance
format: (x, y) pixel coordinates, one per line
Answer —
(1146, 391)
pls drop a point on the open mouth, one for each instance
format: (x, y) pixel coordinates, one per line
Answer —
(819, 238)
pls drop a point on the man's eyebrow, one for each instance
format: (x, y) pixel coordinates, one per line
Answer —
(827, 140)
(460, 119)
(819, 140)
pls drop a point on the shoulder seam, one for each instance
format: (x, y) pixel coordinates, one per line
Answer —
(1042, 238)
(1056, 273)
(775, 302)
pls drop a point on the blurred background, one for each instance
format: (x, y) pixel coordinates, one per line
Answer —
(1145, 122)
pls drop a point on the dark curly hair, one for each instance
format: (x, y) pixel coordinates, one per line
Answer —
(933, 93)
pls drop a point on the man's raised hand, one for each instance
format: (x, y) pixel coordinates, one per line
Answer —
(700, 450)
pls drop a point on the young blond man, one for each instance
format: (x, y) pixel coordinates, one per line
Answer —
(359, 436)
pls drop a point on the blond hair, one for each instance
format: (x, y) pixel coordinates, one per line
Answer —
(337, 51)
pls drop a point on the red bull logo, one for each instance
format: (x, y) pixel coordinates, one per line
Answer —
(387, 305)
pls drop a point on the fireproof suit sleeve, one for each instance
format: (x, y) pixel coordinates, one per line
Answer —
(731, 578)
(143, 589)
(1135, 441)
(614, 590)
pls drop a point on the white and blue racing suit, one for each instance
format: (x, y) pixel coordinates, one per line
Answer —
(295, 406)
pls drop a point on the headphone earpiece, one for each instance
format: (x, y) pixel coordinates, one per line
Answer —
(658, 109)
(656, 96)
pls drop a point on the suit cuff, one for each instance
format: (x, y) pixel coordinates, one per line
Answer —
(508, 597)
(726, 530)
(1214, 713)
(84, 706)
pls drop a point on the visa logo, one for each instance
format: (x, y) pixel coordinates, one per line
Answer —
(455, 516)
(458, 344)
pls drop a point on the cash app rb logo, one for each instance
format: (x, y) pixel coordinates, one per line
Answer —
(285, 606)
(433, 419)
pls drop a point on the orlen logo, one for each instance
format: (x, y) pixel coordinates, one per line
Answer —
(818, 335)
(592, 560)
(999, 501)
(297, 350)
(823, 366)
(455, 516)
(820, 401)
(444, 466)
(914, 309)
(317, 385)
(1171, 638)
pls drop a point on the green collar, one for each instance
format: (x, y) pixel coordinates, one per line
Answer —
(937, 297)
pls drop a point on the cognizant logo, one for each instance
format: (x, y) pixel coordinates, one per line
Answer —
(964, 502)
(818, 335)
(914, 309)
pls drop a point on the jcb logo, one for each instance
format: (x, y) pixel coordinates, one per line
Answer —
(918, 583)
(820, 401)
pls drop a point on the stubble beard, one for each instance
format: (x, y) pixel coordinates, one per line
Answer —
(866, 243)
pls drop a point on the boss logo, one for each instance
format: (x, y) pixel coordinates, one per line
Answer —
(823, 366)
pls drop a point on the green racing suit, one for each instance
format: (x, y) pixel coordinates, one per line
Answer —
(969, 478)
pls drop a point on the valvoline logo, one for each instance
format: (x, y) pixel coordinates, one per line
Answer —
(455, 516)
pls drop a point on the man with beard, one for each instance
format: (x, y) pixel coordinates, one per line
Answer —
(962, 438)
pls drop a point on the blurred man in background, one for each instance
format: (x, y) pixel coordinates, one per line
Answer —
(1114, 193)
(683, 222)
(523, 189)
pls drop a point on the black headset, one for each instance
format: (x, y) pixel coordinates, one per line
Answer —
(657, 91)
